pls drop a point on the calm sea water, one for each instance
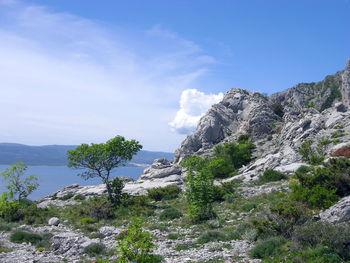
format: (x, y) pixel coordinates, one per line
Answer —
(53, 178)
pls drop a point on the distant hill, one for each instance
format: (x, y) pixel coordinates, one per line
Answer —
(56, 155)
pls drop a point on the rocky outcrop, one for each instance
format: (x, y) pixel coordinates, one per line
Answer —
(240, 112)
(338, 213)
(345, 90)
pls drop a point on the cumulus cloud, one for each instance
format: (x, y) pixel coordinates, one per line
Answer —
(67, 80)
(193, 105)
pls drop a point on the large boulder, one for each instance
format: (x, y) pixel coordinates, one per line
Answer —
(340, 212)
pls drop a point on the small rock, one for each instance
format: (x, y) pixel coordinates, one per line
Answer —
(54, 221)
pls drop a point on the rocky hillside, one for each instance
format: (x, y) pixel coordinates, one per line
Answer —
(260, 218)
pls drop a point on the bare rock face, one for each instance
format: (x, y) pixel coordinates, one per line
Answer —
(338, 213)
(240, 112)
(345, 90)
(159, 169)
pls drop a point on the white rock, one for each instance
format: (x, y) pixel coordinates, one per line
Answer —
(54, 221)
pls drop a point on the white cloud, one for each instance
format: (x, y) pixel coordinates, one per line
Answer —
(67, 80)
(193, 105)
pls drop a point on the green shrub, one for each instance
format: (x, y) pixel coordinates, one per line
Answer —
(312, 155)
(115, 188)
(164, 193)
(100, 208)
(211, 236)
(271, 176)
(95, 249)
(220, 168)
(10, 211)
(22, 236)
(79, 197)
(200, 188)
(335, 237)
(87, 221)
(170, 214)
(138, 205)
(66, 196)
(136, 245)
(267, 248)
(235, 154)
(4, 227)
(219, 193)
(316, 197)
(320, 187)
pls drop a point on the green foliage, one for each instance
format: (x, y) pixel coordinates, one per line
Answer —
(338, 134)
(170, 214)
(235, 154)
(24, 210)
(136, 245)
(67, 196)
(98, 160)
(267, 248)
(316, 197)
(278, 109)
(115, 187)
(22, 236)
(212, 236)
(138, 205)
(311, 155)
(318, 254)
(100, 208)
(320, 187)
(95, 249)
(86, 221)
(271, 176)
(200, 188)
(19, 186)
(164, 193)
(79, 197)
(335, 237)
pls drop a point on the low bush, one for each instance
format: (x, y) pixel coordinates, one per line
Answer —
(87, 221)
(320, 187)
(316, 197)
(211, 236)
(335, 237)
(271, 176)
(22, 236)
(170, 214)
(66, 196)
(164, 193)
(79, 197)
(95, 249)
(100, 208)
(267, 248)
(312, 155)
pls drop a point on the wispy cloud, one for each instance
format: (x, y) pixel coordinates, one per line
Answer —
(66, 79)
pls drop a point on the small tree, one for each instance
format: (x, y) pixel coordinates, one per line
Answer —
(98, 160)
(19, 185)
(200, 195)
(136, 245)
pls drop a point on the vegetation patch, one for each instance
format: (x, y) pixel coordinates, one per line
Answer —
(271, 176)
(170, 214)
(164, 193)
(95, 249)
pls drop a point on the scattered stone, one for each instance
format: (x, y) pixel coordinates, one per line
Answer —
(54, 221)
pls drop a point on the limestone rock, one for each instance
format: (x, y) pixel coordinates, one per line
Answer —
(340, 212)
(240, 112)
(54, 221)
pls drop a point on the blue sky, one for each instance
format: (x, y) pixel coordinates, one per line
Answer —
(78, 71)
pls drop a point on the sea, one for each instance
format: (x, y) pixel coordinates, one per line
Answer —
(54, 178)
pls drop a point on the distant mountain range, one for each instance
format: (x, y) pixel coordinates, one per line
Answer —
(56, 155)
